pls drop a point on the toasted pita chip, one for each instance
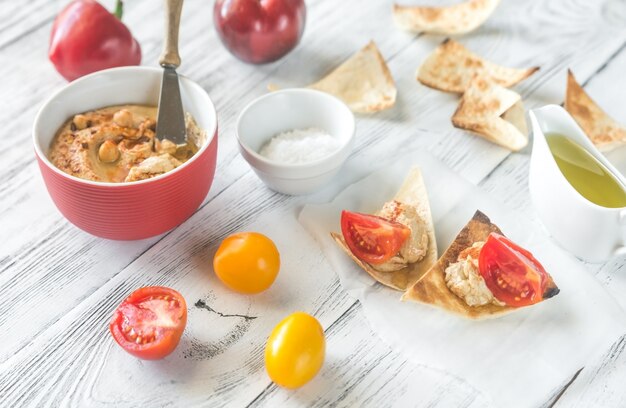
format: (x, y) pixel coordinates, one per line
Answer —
(493, 112)
(603, 131)
(432, 288)
(412, 192)
(458, 19)
(451, 67)
(363, 82)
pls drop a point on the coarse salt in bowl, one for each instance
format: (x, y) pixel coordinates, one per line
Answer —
(300, 146)
(293, 114)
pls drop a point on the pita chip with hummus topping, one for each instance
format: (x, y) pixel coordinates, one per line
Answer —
(433, 290)
(413, 193)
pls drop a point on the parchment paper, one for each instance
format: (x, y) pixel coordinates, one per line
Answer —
(518, 360)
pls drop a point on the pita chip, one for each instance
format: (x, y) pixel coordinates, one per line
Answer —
(412, 192)
(451, 67)
(458, 19)
(603, 131)
(493, 112)
(363, 82)
(433, 290)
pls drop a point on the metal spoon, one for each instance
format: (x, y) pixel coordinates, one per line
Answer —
(170, 116)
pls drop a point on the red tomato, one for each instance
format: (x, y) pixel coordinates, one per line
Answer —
(150, 322)
(372, 239)
(512, 274)
(86, 38)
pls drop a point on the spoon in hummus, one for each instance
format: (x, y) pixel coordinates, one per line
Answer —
(170, 115)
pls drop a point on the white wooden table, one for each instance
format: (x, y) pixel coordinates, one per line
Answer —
(59, 286)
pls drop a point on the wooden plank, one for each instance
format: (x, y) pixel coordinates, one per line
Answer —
(67, 356)
(510, 176)
(366, 373)
(17, 162)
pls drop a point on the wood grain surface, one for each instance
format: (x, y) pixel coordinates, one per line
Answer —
(60, 286)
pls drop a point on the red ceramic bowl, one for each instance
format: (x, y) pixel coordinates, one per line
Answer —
(135, 210)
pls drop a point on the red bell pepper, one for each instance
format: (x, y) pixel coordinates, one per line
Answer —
(86, 38)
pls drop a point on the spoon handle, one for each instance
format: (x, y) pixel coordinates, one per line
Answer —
(169, 56)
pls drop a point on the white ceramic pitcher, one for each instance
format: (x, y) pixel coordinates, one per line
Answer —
(587, 230)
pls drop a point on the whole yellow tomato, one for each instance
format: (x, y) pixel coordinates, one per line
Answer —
(295, 350)
(247, 262)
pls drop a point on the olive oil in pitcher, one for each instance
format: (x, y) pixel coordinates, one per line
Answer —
(585, 173)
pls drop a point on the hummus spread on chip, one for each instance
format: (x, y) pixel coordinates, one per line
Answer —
(415, 247)
(118, 143)
(397, 246)
(464, 280)
(483, 274)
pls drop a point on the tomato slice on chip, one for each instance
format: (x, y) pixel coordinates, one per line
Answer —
(371, 238)
(513, 274)
(149, 323)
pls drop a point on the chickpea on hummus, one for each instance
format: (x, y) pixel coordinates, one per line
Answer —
(118, 144)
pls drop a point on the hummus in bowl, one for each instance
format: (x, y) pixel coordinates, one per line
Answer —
(118, 144)
(103, 168)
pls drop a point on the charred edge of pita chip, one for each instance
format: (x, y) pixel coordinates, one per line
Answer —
(481, 217)
(551, 289)
(464, 237)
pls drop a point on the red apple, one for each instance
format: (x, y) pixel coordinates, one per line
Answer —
(259, 31)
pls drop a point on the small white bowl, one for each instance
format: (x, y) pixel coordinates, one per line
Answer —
(286, 110)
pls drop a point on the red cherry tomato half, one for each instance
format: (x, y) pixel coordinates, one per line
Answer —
(86, 38)
(513, 274)
(371, 238)
(150, 322)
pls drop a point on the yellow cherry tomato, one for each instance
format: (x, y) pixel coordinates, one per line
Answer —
(247, 262)
(295, 350)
